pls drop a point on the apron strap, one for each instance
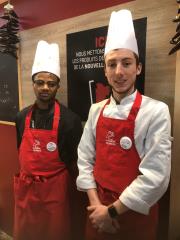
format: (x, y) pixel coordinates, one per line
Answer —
(56, 116)
(28, 117)
(135, 108)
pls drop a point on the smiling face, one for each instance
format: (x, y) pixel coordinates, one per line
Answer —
(45, 87)
(121, 69)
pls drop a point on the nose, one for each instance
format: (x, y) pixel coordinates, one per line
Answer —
(45, 86)
(119, 69)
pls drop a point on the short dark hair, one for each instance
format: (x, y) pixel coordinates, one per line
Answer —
(137, 58)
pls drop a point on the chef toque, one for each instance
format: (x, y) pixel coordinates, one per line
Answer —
(121, 32)
(47, 58)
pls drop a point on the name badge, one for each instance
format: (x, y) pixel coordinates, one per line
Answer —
(125, 142)
(51, 146)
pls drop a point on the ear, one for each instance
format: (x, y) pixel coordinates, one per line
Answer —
(139, 69)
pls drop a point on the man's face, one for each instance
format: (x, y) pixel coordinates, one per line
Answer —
(121, 70)
(45, 86)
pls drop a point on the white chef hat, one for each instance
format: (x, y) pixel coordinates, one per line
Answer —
(47, 58)
(121, 32)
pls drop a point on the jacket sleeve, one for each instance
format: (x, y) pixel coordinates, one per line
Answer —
(86, 156)
(19, 123)
(70, 131)
(155, 165)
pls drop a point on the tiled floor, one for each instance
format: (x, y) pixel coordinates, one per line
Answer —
(4, 236)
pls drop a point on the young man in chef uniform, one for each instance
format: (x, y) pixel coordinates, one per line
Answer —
(47, 135)
(124, 153)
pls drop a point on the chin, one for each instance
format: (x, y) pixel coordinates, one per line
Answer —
(45, 100)
(121, 91)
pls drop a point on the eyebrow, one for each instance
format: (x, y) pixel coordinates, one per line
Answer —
(123, 59)
(46, 81)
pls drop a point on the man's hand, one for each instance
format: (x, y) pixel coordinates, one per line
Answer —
(100, 219)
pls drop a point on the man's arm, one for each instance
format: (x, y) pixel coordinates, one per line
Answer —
(86, 155)
(100, 215)
(19, 123)
(69, 134)
(153, 180)
(93, 197)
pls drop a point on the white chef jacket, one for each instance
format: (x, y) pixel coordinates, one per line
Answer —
(153, 144)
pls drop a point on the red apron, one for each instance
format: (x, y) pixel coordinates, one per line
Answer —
(116, 166)
(42, 187)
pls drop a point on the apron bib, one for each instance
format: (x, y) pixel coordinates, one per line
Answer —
(42, 186)
(116, 166)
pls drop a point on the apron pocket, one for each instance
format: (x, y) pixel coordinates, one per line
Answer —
(54, 190)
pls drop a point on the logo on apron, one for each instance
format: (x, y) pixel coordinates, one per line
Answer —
(110, 138)
(51, 146)
(125, 142)
(36, 146)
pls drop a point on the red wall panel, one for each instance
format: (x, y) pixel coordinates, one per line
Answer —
(8, 166)
(35, 13)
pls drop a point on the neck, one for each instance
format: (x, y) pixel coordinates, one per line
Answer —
(43, 105)
(119, 96)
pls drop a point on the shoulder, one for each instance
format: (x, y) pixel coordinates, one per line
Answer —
(153, 103)
(68, 118)
(68, 113)
(20, 119)
(96, 107)
(154, 107)
(22, 114)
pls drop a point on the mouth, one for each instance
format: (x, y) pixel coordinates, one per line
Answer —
(44, 95)
(120, 82)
